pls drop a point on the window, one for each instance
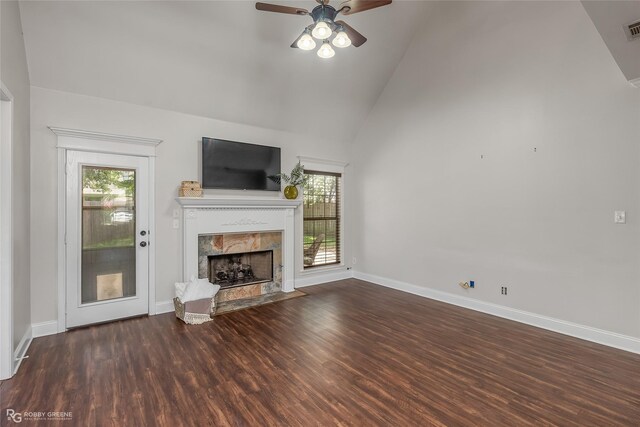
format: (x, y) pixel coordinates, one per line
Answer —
(321, 219)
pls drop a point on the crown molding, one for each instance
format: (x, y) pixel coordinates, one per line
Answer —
(85, 134)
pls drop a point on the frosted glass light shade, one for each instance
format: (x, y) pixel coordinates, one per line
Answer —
(341, 40)
(326, 51)
(306, 42)
(321, 31)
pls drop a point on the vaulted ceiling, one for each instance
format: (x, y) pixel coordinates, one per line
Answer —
(219, 59)
(610, 17)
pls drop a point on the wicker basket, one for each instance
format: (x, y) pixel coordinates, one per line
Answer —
(190, 192)
(190, 189)
(195, 312)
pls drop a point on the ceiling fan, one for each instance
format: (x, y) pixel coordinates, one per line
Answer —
(325, 24)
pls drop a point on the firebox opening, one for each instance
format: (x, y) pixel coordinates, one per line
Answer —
(231, 270)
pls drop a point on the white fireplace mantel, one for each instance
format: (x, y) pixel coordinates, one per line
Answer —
(238, 202)
(220, 215)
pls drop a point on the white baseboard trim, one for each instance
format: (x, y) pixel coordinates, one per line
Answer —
(21, 350)
(611, 339)
(288, 285)
(164, 307)
(43, 329)
(322, 277)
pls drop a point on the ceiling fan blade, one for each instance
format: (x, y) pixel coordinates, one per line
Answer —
(354, 6)
(267, 7)
(357, 39)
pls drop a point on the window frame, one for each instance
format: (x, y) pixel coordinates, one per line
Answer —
(338, 219)
(322, 165)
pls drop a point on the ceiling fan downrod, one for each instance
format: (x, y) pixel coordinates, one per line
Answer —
(324, 13)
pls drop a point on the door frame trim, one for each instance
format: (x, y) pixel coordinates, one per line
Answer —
(7, 362)
(99, 142)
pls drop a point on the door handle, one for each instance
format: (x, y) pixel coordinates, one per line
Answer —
(143, 244)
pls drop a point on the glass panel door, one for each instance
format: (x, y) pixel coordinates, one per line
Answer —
(108, 233)
(107, 237)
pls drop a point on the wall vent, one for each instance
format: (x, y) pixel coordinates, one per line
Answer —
(633, 30)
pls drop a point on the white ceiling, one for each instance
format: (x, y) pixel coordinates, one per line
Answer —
(219, 59)
(609, 17)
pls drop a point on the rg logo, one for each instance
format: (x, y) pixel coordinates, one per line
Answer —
(14, 416)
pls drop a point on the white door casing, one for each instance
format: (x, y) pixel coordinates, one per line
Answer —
(98, 142)
(79, 313)
(7, 362)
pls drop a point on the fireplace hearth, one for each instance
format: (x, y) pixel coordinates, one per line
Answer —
(240, 269)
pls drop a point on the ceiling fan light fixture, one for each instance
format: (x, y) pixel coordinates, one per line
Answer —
(341, 40)
(326, 51)
(306, 42)
(321, 31)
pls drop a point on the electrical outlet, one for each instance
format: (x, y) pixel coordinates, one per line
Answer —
(503, 290)
(620, 217)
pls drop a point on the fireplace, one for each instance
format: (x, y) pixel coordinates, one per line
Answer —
(229, 225)
(241, 269)
(245, 265)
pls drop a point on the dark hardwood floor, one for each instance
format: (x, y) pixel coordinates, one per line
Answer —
(349, 353)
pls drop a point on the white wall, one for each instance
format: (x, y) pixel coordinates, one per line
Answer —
(500, 79)
(178, 159)
(14, 74)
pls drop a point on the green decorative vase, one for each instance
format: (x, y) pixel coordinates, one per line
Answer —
(291, 192)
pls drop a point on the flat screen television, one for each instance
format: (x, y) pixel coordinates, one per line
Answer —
(239, 166)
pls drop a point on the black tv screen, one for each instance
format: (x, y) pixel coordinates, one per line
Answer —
(239, 166)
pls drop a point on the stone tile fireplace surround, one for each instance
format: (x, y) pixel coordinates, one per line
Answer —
(228, 248)
(225, 225)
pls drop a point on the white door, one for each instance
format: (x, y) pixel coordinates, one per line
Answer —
(107, 237)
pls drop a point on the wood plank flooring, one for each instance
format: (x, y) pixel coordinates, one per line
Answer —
(349, 353)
